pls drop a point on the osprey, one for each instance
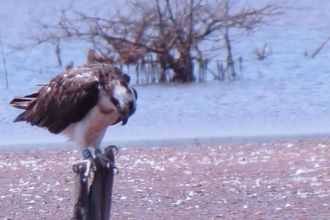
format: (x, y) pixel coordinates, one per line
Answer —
(81, 103)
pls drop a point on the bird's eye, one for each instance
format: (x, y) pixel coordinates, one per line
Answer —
(120, 109)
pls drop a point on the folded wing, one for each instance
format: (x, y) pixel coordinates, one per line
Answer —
(65, 100)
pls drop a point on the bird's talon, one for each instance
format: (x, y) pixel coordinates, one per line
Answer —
(86, 166)
(112, 147)
(117, 171)
(104, 161)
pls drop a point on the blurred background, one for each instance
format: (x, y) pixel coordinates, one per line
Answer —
(205, 71)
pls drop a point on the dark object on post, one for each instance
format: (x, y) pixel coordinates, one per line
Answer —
(93, 202)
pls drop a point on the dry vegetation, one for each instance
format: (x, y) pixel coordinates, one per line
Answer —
(170, 33)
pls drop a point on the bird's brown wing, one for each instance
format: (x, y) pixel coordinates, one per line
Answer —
(65, 100)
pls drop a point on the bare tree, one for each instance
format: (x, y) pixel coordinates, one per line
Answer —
(175, 31)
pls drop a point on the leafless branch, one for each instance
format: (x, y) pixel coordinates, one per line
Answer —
(164, 28)
(319, 48)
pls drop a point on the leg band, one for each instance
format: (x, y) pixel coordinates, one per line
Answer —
(87, 154)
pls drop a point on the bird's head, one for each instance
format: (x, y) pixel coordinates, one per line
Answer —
(124, 98)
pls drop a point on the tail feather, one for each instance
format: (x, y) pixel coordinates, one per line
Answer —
(23, 102)
(20, 117)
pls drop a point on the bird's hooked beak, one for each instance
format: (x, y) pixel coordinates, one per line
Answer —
(123, 118)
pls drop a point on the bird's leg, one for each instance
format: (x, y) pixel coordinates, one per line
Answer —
(82, 166)
(104, 160)
(88, 163)
(88, 156)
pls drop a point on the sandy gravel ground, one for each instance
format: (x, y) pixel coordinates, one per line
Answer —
(278, 180)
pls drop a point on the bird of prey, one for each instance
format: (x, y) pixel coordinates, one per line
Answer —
(81, 103)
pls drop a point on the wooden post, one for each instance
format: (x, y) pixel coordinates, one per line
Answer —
(93, 202)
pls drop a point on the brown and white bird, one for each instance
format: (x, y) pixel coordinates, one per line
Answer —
(81, 103)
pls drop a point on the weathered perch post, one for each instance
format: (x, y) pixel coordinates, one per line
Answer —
(93, 201)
